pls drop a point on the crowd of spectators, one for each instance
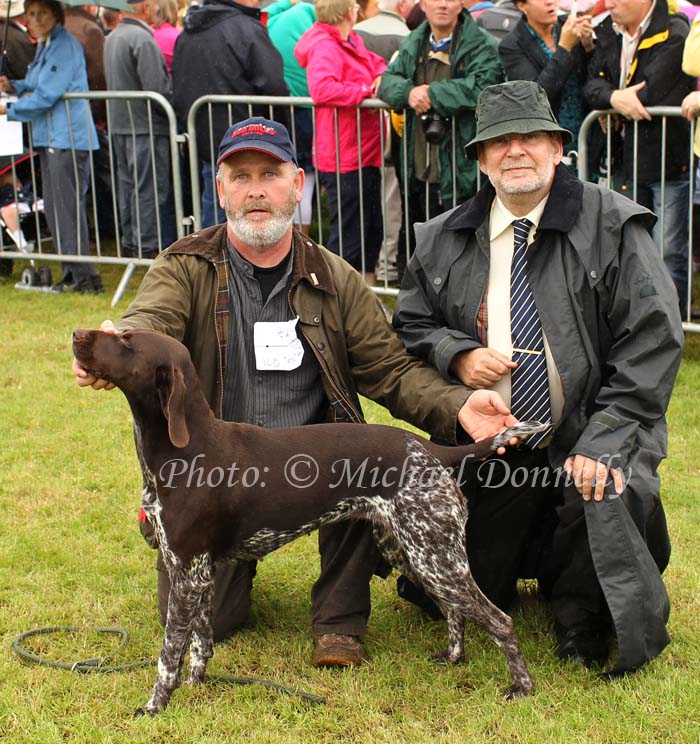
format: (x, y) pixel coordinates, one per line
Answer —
(428, 61)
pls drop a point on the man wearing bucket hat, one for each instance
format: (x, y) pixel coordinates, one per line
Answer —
(211, 289)
(551, 293)
(17, 48)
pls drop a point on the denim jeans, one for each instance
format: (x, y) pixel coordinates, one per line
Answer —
(671, 230)
(212, 213)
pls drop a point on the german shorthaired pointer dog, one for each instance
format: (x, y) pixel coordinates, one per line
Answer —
(218, 490)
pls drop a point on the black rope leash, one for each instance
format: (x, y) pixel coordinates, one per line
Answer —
(98, 664)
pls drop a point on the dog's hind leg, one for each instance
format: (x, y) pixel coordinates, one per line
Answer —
(464, 599)
(480, 610)
(186, 588)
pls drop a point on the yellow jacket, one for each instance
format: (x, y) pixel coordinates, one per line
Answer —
(691, 66)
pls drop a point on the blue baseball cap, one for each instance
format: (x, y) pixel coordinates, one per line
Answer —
(258, 134)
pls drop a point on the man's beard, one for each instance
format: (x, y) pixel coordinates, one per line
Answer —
(264, 233)
(538, 180)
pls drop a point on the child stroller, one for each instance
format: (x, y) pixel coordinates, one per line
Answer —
(21, 217)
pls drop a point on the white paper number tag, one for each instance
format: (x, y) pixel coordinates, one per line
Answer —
(277, 346)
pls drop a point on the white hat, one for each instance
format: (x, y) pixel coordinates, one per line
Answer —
(16, 8)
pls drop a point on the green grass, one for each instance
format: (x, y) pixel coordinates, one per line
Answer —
(71, 553)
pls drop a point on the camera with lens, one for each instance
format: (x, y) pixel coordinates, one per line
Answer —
(435, 127)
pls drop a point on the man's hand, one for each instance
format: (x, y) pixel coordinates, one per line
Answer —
(85, 379)
(590, 476)
(690, 108)
(375, 85)
(484, 415)
(626, 102)
(419, 99)
(481, 368)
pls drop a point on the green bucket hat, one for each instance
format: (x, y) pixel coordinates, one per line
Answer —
(517, 107)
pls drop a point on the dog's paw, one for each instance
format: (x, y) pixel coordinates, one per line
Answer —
(518, 691)
(141, 712)
(443, 657)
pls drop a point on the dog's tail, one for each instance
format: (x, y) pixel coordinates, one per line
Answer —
(452, 457)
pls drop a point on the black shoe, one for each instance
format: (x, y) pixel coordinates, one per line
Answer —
(583, 645)
(94, 284)
(411, 593)
(88, 284)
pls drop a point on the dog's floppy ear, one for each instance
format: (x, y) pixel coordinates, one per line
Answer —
(172, 391)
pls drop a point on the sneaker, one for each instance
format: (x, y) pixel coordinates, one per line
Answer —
(336, 650)
(65, 284)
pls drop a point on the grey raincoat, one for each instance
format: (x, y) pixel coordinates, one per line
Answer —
(610, 314)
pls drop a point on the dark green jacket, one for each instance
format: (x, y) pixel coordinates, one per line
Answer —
(475, 65)
(185, 295)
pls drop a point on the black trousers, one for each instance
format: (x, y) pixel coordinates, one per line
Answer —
(524, 523)
(340, 598)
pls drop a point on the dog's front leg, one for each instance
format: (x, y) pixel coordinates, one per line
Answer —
(183, 603)
(202, 643)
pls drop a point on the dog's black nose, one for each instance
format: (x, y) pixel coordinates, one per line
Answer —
(79, 334)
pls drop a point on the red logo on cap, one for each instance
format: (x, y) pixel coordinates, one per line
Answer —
(253, 129)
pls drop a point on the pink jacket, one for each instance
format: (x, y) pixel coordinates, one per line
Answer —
(340, 73)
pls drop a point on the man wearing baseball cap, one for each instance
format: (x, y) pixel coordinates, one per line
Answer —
(550, 293)
(226, 291)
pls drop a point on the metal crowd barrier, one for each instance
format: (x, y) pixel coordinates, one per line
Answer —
(593, 120)
(103, 196)
(184, 154)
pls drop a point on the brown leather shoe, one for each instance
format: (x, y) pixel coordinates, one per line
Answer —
(336, 650)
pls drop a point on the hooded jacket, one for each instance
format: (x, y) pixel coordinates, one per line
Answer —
(657, 62)
(223, 50)
(610, 315)
(340, 73)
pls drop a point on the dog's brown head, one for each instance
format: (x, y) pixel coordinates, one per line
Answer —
(143, 365)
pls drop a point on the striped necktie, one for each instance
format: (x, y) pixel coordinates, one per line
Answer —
(529, 381)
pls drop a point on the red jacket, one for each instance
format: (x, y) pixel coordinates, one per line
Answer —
(340, 74)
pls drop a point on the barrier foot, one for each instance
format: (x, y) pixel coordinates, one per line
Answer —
(123, 282)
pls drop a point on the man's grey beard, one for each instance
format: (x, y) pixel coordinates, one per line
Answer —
(262, 234)
(537, 181)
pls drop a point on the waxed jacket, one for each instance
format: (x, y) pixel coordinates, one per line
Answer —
(475, 65)
(610, 315)
(185, 294)
(340, 73)
(58, 68)
(657, 62)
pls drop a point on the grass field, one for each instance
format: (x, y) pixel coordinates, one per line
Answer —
(71, 554)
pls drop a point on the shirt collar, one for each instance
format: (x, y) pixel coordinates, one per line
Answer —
(502, 218)
(643, 26)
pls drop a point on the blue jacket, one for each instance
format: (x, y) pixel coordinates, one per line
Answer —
(58, 67)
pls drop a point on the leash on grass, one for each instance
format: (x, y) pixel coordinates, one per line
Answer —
(98, 665)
